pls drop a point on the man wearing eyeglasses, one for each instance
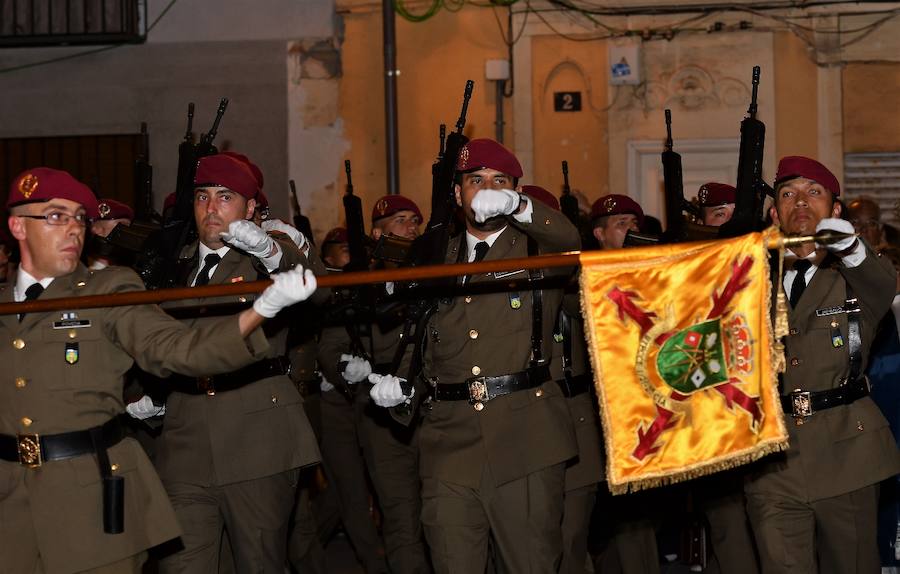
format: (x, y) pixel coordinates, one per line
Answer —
(75, 496)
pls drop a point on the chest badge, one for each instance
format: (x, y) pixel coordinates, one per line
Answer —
(515, 302)
(72, 353)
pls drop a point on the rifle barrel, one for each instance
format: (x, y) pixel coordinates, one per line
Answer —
(211, 135)
(346, 279)
(467, 95)
(565, 170)
(753, 106)
(349, 176)
(669, 143)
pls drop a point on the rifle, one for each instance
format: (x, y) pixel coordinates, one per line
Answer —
(159, 267)
(356, 227)
(751, 189)
(431, 246)
(301, 222)
(568, 204)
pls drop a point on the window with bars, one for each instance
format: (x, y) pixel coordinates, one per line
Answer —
(876, 175)
(65, 22)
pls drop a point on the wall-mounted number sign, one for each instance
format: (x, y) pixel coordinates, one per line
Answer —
(566, 101)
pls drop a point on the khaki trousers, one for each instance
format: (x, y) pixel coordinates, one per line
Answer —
(392, 457)
(521, 518)
(831, 536)
(255, 513)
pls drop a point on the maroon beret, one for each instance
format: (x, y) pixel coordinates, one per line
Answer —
(539, 193)
(225, 170)
(257, 173)
(712, 194)
(112, 209)
(486, 153)
(336, 235)
(391, 204)
(614, 204)
(798, 166)
(43, 184)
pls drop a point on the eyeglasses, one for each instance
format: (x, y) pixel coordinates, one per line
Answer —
(61, 218)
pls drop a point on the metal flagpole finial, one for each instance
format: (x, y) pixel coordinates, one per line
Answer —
(824, 237)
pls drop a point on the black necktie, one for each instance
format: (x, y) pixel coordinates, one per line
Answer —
(209, 262)
(481, 249)
(33, 292)
(799, 284)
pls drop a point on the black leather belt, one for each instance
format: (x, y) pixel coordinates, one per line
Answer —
(483, 389)
(230, 381)
(32, 450)
(801, 404)
(574, 386)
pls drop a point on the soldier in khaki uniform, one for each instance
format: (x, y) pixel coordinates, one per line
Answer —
(341, 357)
(232, 446)
(571, 369)
(496, 433)
(813, 507)
(390, 450)
(632, 547)
(60, 444)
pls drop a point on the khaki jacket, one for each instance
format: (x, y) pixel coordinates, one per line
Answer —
(254, 431)
(490, 334)
(844, 448)
(60, 503)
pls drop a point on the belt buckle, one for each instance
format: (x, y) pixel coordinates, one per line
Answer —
(801, 406)
(206, 384)
(478, 390)
(29, 449)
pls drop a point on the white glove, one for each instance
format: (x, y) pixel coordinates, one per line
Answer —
(325, 386)
(357, 369)
(144, 408)
(489, 203)
(387, 392)
(288, 288)
(289, 230)
(253, 240)
(842, 226)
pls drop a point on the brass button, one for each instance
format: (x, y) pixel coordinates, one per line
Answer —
(795, 361)
(274, 400)
(546, 222)
(27, 421)
(114, 467)
(19, 344)
(476, 370)
(468, 299)
(539, 393)
(242, 299)
(20, 383)
(859, 426)
(479, 407)
(73, 333)
(793, 331)
(80, 284)
(473, 334)
(581, 419)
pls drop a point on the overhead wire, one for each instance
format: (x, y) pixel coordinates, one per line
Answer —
(83, 53)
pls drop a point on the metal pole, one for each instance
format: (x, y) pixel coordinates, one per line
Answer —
(390, 97)
(499, 123)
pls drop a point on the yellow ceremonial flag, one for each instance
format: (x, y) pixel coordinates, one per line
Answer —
(685, 362)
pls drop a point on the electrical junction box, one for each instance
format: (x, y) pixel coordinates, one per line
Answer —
(496, 70)
(624, 63)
